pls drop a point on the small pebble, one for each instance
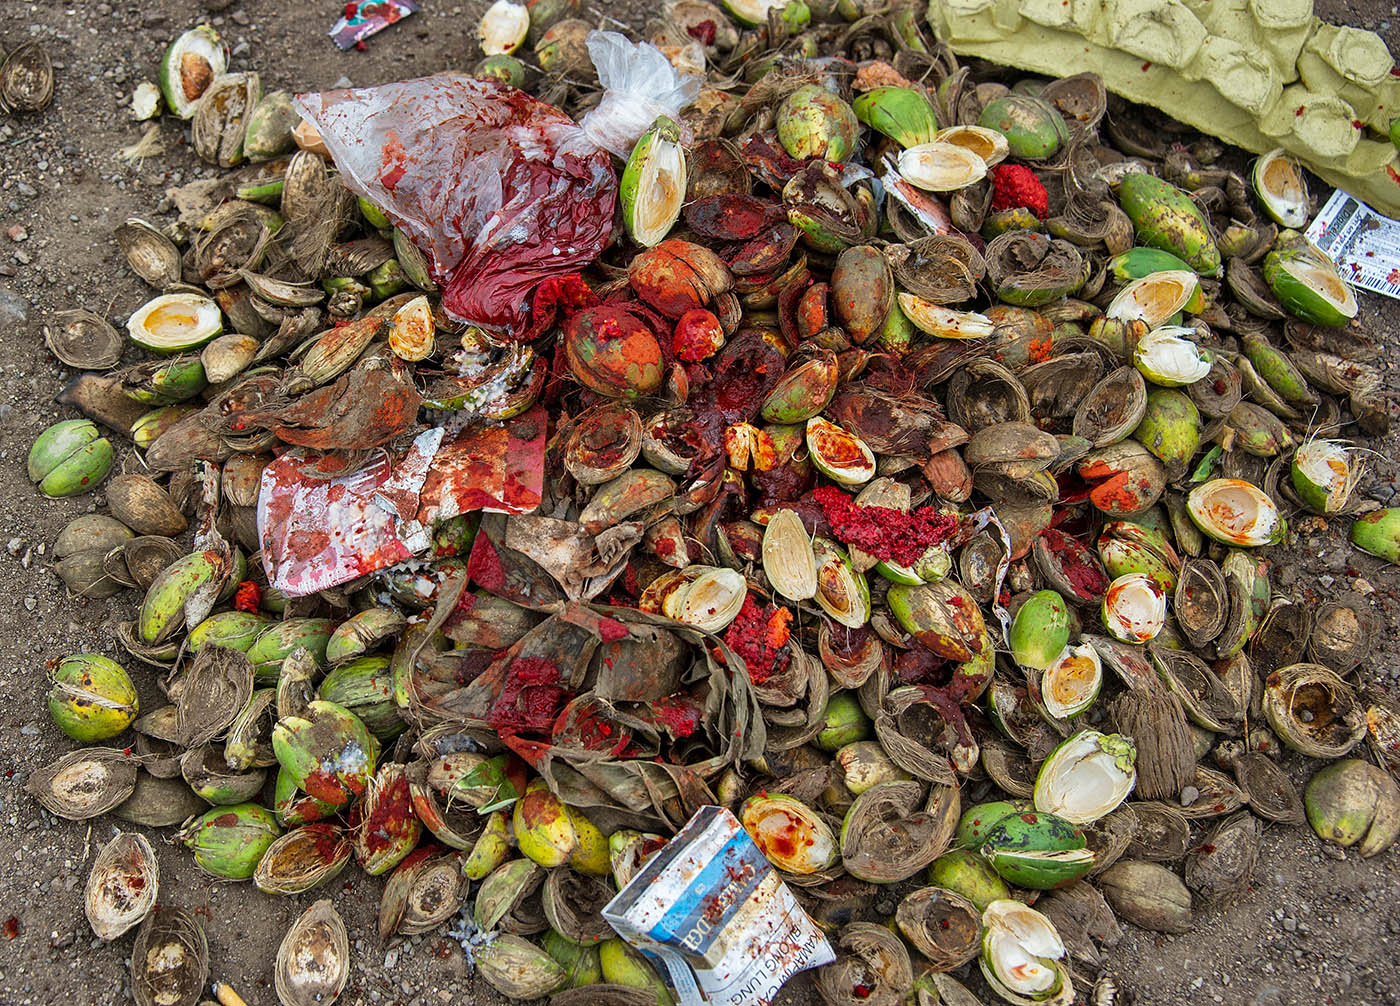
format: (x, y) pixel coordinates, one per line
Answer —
(1189, 795)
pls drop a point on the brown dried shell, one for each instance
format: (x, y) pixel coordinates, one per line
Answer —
(1080, 99)
(943, 269)
(123, 885)
(1163, 832)
(220, 118)
(869, 956)
(141, 560)
(1008, 767)
(1218, 393)
(169, 960)
(1218, 795)
(151, 254)
(313, 961)
(1222, 865)
(943, 926)
(1147, 895)
(1109, 838)
(850, 656)
(159, 802)
(1201, 602)
(983, 393)
(142, 505)
(1203, 695)
(1083, 919)
(26, 79)
(603, 442)
(212, 694)
(1155, 720)
(1271, 793)
(1057, 386)
(573, 904)
(1343, 634)
(1281, 639)
(83, 340)
(434, 896)
(84, 783)
(1113, 408)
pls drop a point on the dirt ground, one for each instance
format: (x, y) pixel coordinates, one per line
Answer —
(1316, 928)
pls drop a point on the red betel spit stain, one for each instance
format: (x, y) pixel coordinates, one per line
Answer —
(530, 697)
(611, 630)
(484, 565)
(678, 714)
(248, 597)
(704, 32)
(748, 636)
(885, 532)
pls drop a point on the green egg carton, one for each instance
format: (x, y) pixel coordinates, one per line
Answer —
(1260, 74)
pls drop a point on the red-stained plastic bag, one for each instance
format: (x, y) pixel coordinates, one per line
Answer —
(497, 189)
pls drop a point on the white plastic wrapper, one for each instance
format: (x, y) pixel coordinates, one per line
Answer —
(716, 915)
(639, 84)
(499, 190)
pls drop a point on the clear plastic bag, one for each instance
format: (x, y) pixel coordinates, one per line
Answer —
(499, 190)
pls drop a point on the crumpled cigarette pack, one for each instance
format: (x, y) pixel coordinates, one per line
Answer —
(712, 911)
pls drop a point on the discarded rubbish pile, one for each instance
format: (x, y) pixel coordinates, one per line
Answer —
(895, 476)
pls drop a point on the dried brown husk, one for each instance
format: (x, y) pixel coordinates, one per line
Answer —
(1218, 795)
(1252, 292)
(1057, 386)
(872, 967)
(849, 655)
(159, 802)
(1083, 919)
(789, 728)
(1343, 634)
(1282, 637)
(204, 767)
(170, 959)
(220, 118)
(1031, 268)
(434, 895)
(26, 79)
(1270, 792)
(1156, 721)
(924, 731)
(983, 393)
(141, 560)
(303, 859)
(573, 904)
(142, 505)
(313, 960)
(1203, 695)
(1313, 710)
(603, 442)
(1113, 408)
(123, 885)
(943, 268)
(1163, 833)
(1081, 100)
(151, 254)
(1148, 895)
(1009, 768)
(1218, 393)
(886, 838)
(212, 693)
(84, 340)
(1109, 838)
(84, 783)
(1221, 866)
(316, 206)
(943, 926)
(234, 237)
(1201, 603)
(603, 995)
